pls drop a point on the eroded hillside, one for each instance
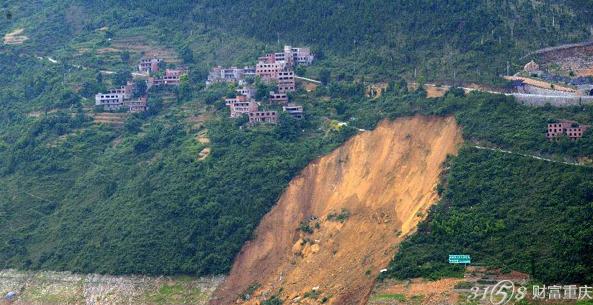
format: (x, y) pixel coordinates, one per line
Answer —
(338, 224)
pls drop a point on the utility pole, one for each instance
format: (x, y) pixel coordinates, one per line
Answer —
(508, 68)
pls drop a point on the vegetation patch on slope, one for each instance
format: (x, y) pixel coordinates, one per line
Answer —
(507, 211)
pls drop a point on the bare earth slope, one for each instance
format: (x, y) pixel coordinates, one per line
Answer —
(384, 179)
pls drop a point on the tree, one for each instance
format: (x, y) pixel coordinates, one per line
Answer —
(125, 56)
(122, 77)
(324, 76)
(140, 88)
(99, 78)
(88, 89)
(187, 55)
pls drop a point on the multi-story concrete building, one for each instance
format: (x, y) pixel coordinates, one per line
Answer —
(269, 71)
(296, 111)
(289, 56)
(280, 98)
(263, 117)
(301, 56)
(149, 65)
(241, 105)
(109, 101)
(139, 105)
(172, 77)
(114, 99)
(571, 129)
(229, 75)
(247, 91)
(285, 81)
(267, 59)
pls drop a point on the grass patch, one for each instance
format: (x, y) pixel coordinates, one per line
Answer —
(176, 293)
(390, 296)
(341, 217)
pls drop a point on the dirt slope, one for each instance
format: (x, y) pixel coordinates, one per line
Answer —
(379, 184)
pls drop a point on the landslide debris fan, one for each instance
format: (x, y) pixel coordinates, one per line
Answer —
(337, 224)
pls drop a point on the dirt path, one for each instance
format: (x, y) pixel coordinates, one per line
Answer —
(353, 207)
(15, 37)
(527, 156)
(540, 83)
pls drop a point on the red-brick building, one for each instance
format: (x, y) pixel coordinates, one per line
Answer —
(571, 129)
(241, 105)
(280, 98)
(285, 81)
(268, 71)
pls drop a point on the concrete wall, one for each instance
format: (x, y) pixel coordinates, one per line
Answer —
(528, 89)
(556, 101)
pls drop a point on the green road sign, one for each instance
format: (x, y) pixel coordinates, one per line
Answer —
(459, 259)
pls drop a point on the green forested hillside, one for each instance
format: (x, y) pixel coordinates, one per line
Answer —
(134, 199)
(441, 39)
(435, 40)
(509, 212)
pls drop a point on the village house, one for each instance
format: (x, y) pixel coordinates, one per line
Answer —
(300, 56)
(229, 75)
(289, 56)
(273, 67)
(247, 91)
(269, 71)
(280, 98)
(571, 129)
(139, 105)
(263, 117)
(172, 77)
(296, 111)
(149, 65)
(240, 108)
(285, 81)
(241, 105)
(114, 99)
(109, 101)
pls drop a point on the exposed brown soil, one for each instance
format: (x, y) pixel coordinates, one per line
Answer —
(416, 291)
(202, 137)
(446, 291)
(204, 153)
(433, 91)
(585, 72)
(541, 83)
(384, 179)
(15, 37)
